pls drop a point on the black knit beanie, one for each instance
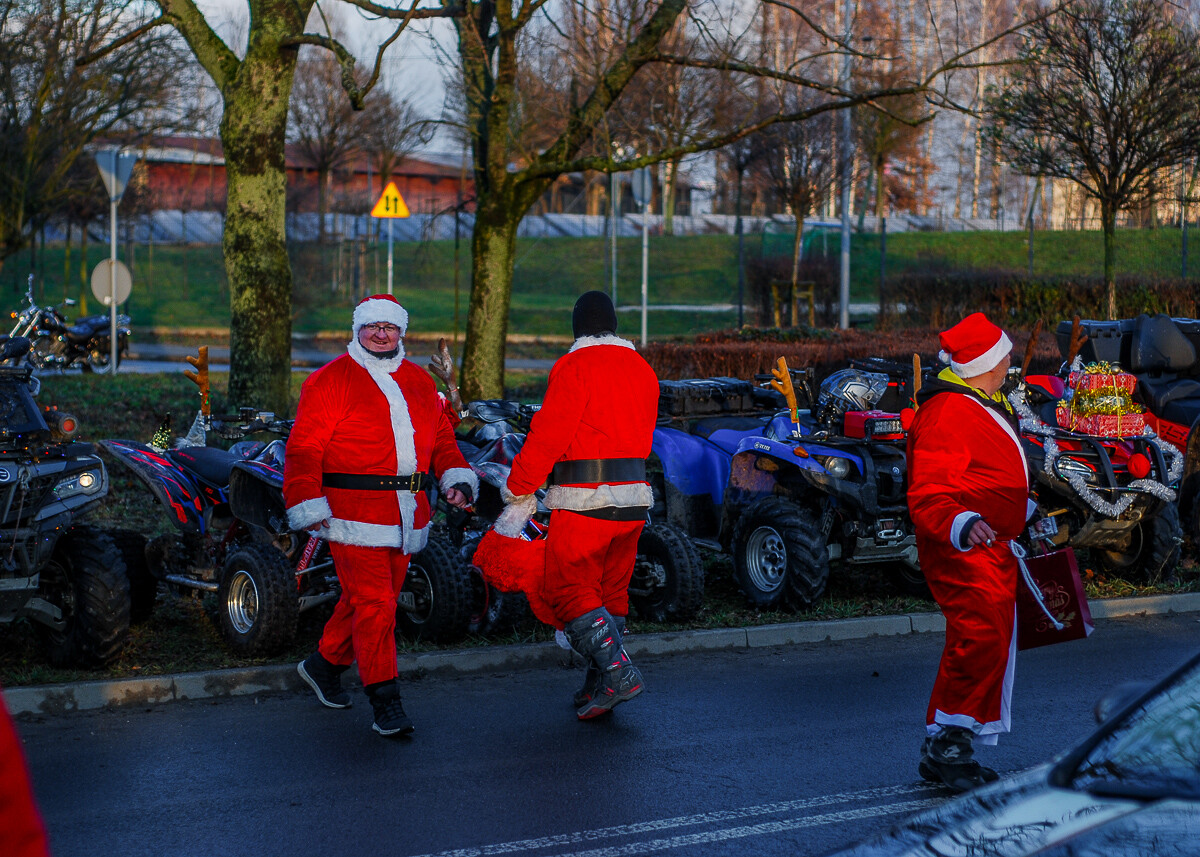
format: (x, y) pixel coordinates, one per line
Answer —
(593, 315)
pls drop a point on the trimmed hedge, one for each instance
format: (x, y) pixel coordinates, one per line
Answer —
(744, 353)
(937, 300)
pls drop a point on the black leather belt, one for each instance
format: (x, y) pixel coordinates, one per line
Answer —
(613, 513)
(364, 482)
(592, 471)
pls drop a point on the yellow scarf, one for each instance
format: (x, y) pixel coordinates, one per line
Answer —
(949, 377)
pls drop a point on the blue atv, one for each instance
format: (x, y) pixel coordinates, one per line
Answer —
(788, 491)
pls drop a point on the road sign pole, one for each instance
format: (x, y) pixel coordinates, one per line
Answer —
(389, 255)
(645, 264)
(112, 284)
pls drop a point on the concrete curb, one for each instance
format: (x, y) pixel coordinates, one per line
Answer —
(153, 690)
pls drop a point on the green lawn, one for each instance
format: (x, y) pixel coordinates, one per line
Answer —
(185, 287)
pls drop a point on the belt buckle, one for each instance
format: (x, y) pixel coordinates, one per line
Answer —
(414, 482)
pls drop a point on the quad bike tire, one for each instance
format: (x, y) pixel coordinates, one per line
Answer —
(143, 586)
(493, 612)
(668, 575)
(1189, 509)
(1153, 551)
(256, 600)
(910, 581)
(779, 554)
(440, 587)
(86, 579)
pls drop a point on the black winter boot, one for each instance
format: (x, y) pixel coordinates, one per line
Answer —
(948, 758)
(591, 679)
(390, 718)
(325, 679)
(595, 636)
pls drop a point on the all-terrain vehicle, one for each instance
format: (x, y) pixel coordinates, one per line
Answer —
(1164, 355)
(69, 579)
(786, 490)
(668, 577)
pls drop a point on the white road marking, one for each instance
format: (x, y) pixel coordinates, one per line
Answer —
(714, 817)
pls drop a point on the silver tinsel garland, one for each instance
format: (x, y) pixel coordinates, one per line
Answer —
(1031, 424)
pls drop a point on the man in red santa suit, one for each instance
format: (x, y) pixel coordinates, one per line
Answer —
(968, 496)
(369, 430)
(591, 439)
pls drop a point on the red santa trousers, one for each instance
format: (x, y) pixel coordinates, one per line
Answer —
(977, 594)
(363, 625)
(21, 831)
(588, 564)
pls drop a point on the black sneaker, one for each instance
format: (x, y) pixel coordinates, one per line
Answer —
(325, 679)
(948, 758)
(390, 718)
(958, 777)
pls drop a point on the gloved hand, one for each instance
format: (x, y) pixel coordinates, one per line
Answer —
(465, 489)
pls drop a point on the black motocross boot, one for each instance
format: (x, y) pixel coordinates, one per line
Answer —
(594, 635)
(390, 718)
(325, 679)
(591, 679)
(948, 758)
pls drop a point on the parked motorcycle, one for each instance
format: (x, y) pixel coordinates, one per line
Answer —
(59, 344)
(668, 577)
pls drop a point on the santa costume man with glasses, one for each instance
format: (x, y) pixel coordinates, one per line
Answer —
(370, 432)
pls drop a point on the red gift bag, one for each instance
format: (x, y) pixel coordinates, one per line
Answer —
(1056, 577)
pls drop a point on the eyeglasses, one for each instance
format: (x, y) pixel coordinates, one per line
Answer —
(389, 329)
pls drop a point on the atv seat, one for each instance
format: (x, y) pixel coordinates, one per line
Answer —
(1159, 353)
(728, 432)
(210, 464)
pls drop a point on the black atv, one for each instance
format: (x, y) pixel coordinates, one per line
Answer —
(68, 579)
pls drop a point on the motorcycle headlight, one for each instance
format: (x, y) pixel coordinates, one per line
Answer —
(87, 482)
(1065, 466)
(839, 468)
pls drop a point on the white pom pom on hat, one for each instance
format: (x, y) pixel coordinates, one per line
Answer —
(380, 308)
(973, 346)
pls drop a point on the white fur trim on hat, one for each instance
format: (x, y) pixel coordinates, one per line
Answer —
(380, 308)
(985, 362)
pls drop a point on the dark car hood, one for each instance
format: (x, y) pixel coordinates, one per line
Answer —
(1025, 815)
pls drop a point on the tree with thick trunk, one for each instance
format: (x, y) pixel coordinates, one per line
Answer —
(526, 130)
(255, 86)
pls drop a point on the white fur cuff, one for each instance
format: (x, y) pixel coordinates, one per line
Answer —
(455, 475)
(516, 515)
(304, 515)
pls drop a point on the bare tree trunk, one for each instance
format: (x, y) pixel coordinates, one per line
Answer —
(493, 244)
(256, 260)
(1108, 217)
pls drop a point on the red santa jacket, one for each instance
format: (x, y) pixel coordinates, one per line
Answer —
(964, 461)
(601, 402)
(362, 415)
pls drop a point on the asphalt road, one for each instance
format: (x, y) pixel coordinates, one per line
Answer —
(790, 751)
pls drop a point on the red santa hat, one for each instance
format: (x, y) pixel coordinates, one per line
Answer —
(973, 346)
(380, 308)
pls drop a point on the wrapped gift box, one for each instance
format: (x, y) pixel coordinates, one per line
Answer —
(1102, 425)
(1119, 381)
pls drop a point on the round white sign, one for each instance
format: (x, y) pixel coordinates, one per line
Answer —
(102, 283)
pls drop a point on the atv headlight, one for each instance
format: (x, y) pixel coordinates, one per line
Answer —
(1065, 466)
(839, 468)
(87, 482)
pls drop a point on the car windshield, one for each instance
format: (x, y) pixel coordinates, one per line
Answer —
(1152, 752)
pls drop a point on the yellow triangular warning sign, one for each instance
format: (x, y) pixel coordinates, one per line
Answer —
(391, 203)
